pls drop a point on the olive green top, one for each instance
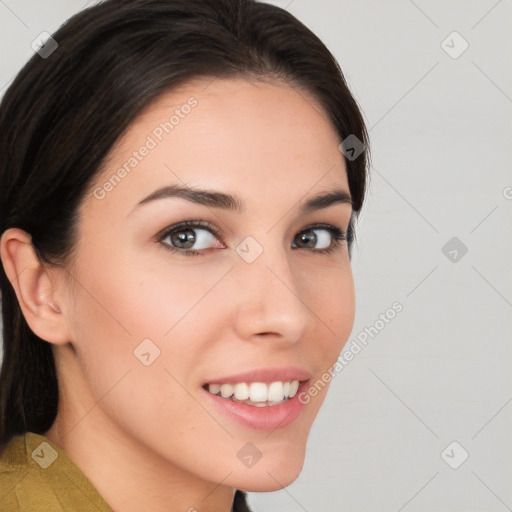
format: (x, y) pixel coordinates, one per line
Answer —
(38, 476)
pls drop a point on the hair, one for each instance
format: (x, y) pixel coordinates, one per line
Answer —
(62, 115)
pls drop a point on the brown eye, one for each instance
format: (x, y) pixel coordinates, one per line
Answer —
(191, 238)
(183, 239)
(196, 238)
(319, 238)
(308, 239)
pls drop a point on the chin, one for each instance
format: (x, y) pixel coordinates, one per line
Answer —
(271, 475)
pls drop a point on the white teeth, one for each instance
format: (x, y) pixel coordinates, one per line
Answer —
(226, 390)
(258, 394)
(275, 392)
(241, 391)
(214, 388)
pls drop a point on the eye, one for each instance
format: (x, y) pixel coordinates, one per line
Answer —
(191, 237)
(194, 238)
(322, 238)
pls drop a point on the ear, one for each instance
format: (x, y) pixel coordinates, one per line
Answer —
(36, 287)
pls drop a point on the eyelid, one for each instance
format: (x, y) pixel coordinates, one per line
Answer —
(198, 223)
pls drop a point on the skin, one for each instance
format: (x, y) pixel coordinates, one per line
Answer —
(140, 433)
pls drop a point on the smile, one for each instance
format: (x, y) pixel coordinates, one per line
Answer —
(256, 394)
(261, 398)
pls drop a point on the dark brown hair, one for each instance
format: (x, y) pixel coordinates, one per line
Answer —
(62, 114)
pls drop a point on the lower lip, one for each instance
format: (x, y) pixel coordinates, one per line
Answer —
(261, 418)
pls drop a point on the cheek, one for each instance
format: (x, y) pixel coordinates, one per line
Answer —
(135, 312)
(335, 308)
(333, 304)
(339, 303)
(130, 298)
(138, 334)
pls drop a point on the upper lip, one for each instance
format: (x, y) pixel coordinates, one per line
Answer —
(266, 375)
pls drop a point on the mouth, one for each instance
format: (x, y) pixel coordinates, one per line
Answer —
(256, 394)
(264, 399)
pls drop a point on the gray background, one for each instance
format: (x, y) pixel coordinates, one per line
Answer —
(439, 372)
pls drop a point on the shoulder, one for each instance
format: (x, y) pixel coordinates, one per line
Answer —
(16, 474)
(37, 476)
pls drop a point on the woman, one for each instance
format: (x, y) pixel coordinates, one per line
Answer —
(179, 185)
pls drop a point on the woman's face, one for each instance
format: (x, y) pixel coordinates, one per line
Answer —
(255, 308)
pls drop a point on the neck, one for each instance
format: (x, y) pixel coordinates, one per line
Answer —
(129, 475)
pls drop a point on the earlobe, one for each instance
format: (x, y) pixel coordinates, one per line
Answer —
(35, 287)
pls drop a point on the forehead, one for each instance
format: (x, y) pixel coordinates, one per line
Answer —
(254, 137)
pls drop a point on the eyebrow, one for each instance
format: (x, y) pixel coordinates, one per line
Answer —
(221, 200)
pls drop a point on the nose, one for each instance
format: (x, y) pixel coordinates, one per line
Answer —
(270, 302)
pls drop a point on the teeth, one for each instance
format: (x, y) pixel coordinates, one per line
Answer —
(241, 391)
(275, 392)
(214, 388)
(226, 390)
(258, 394)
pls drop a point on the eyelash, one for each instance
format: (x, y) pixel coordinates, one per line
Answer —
(338, 236)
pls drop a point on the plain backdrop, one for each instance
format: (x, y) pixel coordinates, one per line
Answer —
(420, 419)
